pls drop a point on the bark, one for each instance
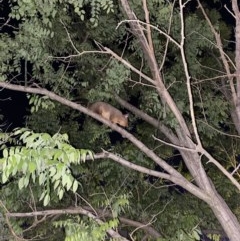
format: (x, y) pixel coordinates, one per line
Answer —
(235, 114)
(192, 160)
(221, 210)
(225, 216)
(237, 61)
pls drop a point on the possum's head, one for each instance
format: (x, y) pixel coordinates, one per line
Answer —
(121, 120)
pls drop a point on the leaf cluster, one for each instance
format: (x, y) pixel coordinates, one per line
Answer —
(44, 159)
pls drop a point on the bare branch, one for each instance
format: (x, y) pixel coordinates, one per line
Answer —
(69, 37)
(188, 78)
(175, 176)
(127, 64)
(222, 54)
(146, 227)
(77, 210)
(168, 39)
(153, 65)
(221, 168)
(220, 132)
(153, 27)
(152, 121)
(235, 170)
(225, 6)
(175, 146)
(149, 34)
(180, 180)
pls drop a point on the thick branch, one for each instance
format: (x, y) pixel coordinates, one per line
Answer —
(137, 29)
(146, 227)
(153, 232)
(237, 39)
(88, 212)
(175, 175)
(149, 34)
(236, 11)
(152, 121)
(179, 180)
(78, 210)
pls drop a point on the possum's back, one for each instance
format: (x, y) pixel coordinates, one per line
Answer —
(109, 112)
(99, 107)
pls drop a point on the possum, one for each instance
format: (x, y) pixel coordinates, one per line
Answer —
(110, 113)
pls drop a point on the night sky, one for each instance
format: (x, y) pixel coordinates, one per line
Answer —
(13, 107)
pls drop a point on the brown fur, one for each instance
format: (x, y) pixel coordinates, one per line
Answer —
(110, 113)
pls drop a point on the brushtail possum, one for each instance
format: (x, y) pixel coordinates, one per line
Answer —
(110, 113)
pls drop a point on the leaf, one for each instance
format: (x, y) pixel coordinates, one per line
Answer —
(60, 194)
(69, 183)
(4, 177)
(56, 184)
(42, 195)
(25, 135)
(5, 153)
(83, 154)
(52, 171)
(75, 186)
(64, 180)
(24, 167)
(32, 167)
(46, 200)
(21, 183)
(42, 178)
(26, 181)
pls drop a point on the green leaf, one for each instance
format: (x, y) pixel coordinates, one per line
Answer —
(69, 183)
(26, 181)
(56, 184)
(52, 171)
(32, 167)
(21, 183)
(4, 177)
(5, 153)
(42, 178)
(42, 195)
(46, 200)
(75, 186)
(24, 167)
(60, 193)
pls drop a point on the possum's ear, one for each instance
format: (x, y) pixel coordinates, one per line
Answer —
(126, 116)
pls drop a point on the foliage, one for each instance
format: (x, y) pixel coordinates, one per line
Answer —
(46, 45)
(5, 234)
(40, 102)
(79, 230)
(44, 159)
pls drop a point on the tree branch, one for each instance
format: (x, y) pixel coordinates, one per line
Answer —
(127, 64)
(77, 210)
(186, 71)
(222, 54)
(175, 176)
(152, 121)
(152, 63)
(149, 34)
(146, 227)
(179, 180)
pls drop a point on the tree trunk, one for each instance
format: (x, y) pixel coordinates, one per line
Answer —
(225, 216)
(222, 212)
